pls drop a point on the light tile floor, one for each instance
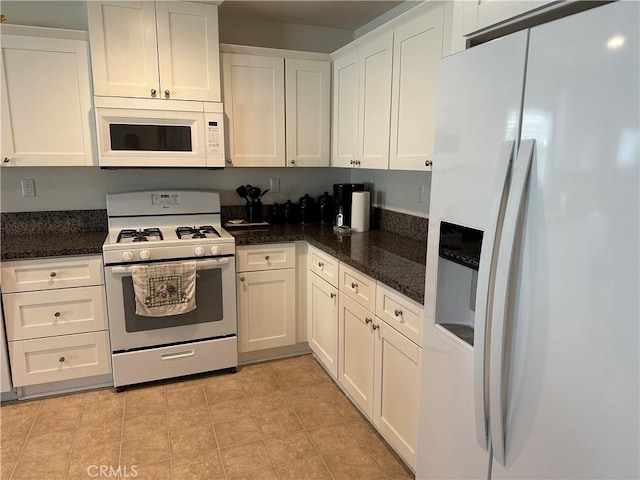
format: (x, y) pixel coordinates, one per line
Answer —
(284, 419)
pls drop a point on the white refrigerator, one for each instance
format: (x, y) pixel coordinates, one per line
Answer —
(537, 145)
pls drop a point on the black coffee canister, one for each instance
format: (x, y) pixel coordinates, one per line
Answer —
(326, 208)
(291, 212)
(308, 211)
(275, 214)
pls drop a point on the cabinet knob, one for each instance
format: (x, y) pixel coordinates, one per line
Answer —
(267, 257)
(293, 162)
(428, 163)
(351, 162)
(242, 279)
(57, 314)
(357, 162)
(333, 295)
(52, 274)
(320, 264)
(375, 326)
(167, 94)
(5, 160)
(229, 161)
(61, 359)
(397, 312)
(153, 92)
(354, 285)
(368, 321)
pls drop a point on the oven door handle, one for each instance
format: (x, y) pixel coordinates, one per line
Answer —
(200, 265)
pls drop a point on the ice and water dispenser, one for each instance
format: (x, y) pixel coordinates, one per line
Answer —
(458, 261)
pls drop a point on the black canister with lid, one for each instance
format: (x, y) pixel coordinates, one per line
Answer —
(308, 211)
(326, 208)
(291, 212)
(275, 214)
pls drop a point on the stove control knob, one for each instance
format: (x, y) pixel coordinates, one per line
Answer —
(199, 251)
(127, 256)
(215, 250)
(145, 254)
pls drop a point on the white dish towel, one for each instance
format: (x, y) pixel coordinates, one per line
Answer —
(164, 289)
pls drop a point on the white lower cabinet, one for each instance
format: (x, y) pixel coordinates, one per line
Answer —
(397, 390)
(56, 319)
(266, 291)
(322, 318)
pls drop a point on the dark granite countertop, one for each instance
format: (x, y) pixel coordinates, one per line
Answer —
(16, 247)
(395, 260)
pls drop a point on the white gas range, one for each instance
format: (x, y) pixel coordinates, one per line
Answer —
(168, 228)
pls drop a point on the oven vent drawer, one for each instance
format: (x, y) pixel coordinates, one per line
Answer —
(174, 361)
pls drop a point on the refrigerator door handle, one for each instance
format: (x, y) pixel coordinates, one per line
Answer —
(497, 398)
(484, 291)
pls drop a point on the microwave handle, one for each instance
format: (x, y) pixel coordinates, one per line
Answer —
(200, 265)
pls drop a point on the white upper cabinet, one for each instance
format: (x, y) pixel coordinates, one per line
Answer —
(481, 15)
(254, 105)
(155, 49)
(417, 49)
(258, 90)
(46, 98)
(308, 93)
(362, 104)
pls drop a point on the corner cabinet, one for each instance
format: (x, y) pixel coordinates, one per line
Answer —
(266, 295)
(46, 98)
(362, 104)
(146, 49)
(277, 109)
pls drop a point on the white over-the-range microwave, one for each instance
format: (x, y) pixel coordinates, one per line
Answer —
(136, 132)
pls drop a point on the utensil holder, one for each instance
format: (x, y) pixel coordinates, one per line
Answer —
(254, 212)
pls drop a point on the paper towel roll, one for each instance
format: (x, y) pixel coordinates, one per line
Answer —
(360, 211)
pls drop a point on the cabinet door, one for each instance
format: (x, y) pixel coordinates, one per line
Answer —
(308, 94)
(480, 15)
(356, 348)
(254, 104)
(46, 108)
(397, 390)
(188, 51)
(346, 84)
(322, 316)
(417, 47)
(375, 102)
(124, 53)
(266, 309)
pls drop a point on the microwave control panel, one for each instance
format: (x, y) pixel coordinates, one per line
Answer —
(215, 140)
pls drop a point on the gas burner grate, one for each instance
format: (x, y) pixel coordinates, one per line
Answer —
(142, 235)
(204, 231)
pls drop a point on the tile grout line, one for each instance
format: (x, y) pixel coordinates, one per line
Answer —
(73, 439)
(215, 435)
(24, 445)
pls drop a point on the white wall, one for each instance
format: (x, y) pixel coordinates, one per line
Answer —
(397, 190)
(289, 36)
(80, 188)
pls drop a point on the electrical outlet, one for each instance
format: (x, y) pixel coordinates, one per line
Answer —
(28, 187)
(274, 185)
(420, 193)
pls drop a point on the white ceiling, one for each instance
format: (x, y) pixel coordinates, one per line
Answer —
(345, 14)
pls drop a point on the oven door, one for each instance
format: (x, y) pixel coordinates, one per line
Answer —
(214, 316)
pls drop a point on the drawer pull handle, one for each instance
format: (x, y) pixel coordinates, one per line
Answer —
(57, 314)
(333, 295)
(61, 359)
(354, 285)
(52, 274)
(397, 312)
(267, 257)
(171, 356)
(5, 159)
(153, 92)
(242, 279)
(375, 327)
(320, 264)
(368, 321)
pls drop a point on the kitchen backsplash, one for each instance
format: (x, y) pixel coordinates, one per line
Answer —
(24, 223)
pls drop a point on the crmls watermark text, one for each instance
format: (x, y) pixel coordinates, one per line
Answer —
(109, 471)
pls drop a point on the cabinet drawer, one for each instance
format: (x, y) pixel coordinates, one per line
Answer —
(323, 265)
(358, 286)
(30, 275)
(265, 257)
(54, 312)
(59, 358)
(402, 313)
